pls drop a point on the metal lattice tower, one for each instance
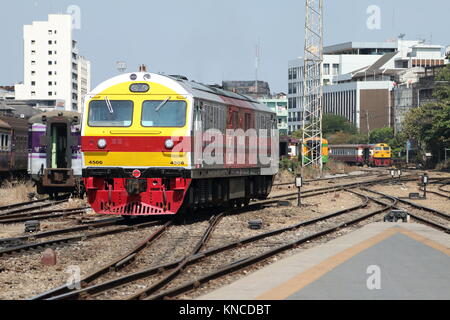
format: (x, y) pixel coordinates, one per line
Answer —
(312, 83)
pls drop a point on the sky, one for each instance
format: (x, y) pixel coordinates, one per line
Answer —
(211, 40)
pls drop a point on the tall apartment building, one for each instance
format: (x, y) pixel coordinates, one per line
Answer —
(358, 79)
(52, 65)
(278, 103)
(84, 80)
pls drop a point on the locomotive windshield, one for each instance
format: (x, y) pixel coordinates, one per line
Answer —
(163, 113)
(110, 113)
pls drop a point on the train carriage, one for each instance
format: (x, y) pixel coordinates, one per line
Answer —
(362, 154)
(309, 146)
(155, 144)
(13, 145)
(54, 160)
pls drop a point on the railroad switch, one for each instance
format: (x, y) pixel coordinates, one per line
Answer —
(32, 226)
(396, 215)
(255, 224)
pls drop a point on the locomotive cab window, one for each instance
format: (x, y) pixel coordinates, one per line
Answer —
(110, 113)
(163, 113)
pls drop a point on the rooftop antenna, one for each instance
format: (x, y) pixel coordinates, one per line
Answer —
(312, 84)
(121, 66)
(257, 48)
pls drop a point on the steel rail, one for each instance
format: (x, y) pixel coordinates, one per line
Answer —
(41, 206)
(38, 213)
(434, 211)
(174, 273)
(251, 260)
(57, 214)
(417, 217)
(116, 264)
(88, 226)
(95, 289)
(20, 204)
(74, 238)
(331, 178)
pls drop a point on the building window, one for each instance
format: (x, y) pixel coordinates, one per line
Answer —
(33, 73)
(49, 41)
(33, 63)
(33, 41)
(49, 73)
(50, 52)
(335, 69)
(33, 52)
(33, 93)
(50, 93)
(49, 63)
(33, 83)
(50, 32)
(326, 68)
(50, 83)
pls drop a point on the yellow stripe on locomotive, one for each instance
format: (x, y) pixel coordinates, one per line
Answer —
(128, 135)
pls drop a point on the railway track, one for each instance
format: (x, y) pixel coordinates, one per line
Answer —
(21, 204)
(25, 207)
(74, 238)
(177, 266)
(435, 218)
(174, 268)
(40, 215)
(251, 260)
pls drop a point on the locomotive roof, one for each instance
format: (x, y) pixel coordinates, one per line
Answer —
(349, 145)
(55, 113)
(184, 86)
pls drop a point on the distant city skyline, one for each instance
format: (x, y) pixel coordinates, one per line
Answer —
(210, 41)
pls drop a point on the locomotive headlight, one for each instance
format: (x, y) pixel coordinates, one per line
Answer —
(169, 144)
(101, 143)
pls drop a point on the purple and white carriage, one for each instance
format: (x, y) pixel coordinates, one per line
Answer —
(54, 158)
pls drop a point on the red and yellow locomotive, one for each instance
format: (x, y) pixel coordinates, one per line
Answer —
(155, 144)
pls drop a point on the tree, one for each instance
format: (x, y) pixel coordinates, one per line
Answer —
(381, 135)
(332, 123)
(429, 124)
(344, 138)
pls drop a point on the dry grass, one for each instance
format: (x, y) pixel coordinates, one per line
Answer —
(74, 203)
(14, 193)
(284, 176)
(338, 167)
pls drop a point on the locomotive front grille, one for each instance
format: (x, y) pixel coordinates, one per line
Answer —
(133, 208)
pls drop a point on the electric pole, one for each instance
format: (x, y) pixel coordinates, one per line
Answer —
(313, 84)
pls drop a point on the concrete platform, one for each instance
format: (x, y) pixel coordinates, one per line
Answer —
(379, 261)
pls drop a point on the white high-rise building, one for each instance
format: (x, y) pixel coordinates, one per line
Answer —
(84, 80)
(358, 78)
(51, 65)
